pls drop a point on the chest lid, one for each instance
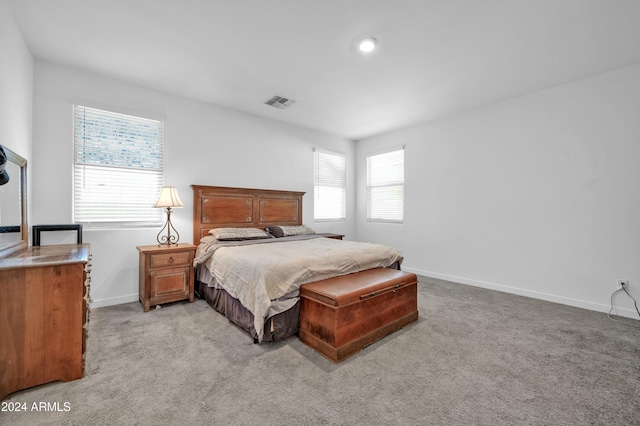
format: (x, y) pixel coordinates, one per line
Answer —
(351, 288)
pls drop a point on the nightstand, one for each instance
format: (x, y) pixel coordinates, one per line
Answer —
(166, 274)
(334, 236)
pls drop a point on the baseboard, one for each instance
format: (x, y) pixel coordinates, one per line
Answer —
(101, 303)
(628, 313)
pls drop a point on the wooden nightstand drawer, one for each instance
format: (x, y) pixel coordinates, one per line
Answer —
(170, 259)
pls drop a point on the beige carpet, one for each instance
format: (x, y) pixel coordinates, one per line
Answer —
(475, 356)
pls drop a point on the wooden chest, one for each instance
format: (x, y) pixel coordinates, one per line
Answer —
(340, 316)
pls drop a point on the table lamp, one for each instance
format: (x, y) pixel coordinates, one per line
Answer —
(168, 199)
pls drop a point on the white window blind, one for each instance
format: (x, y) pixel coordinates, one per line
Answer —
(118, 170)
(329, 186)
(385, 187)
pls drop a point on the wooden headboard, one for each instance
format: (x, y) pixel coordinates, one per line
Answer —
(221, 207)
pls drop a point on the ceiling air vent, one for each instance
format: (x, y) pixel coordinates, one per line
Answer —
(279, 102)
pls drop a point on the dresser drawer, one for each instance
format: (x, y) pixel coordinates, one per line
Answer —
(170, 259)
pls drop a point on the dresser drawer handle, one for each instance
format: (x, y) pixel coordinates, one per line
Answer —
(171, 259)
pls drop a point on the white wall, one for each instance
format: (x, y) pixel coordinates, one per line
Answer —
(536, 195)
(204, 144)
(16, 86)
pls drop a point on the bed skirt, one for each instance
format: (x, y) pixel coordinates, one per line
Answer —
(276, 329)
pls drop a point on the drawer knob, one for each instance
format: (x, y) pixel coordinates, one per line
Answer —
(171, 259)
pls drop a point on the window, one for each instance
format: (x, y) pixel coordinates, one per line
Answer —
(329, 186)
(385, 187)
(117, 168)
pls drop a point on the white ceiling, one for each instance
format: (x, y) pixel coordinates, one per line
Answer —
(435, 57)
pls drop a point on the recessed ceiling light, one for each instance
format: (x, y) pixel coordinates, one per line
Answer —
(367, 45)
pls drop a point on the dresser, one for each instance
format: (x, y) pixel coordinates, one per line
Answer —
(166, 274)
(44, 308)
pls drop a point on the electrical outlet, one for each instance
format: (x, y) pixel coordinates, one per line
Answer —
(623, 283)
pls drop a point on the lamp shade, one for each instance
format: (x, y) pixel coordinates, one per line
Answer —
(168, 198)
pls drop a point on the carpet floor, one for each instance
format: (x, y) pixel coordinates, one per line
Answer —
(474, 356)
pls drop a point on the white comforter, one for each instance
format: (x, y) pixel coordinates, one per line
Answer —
(255, 274)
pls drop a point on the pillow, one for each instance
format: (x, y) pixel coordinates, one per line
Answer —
(286, 231)
(238, 234)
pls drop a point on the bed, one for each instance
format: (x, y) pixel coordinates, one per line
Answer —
(254, 253)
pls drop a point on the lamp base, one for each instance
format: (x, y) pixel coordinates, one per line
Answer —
(168, 239)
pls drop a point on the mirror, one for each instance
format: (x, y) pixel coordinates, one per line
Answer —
(14, 232)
